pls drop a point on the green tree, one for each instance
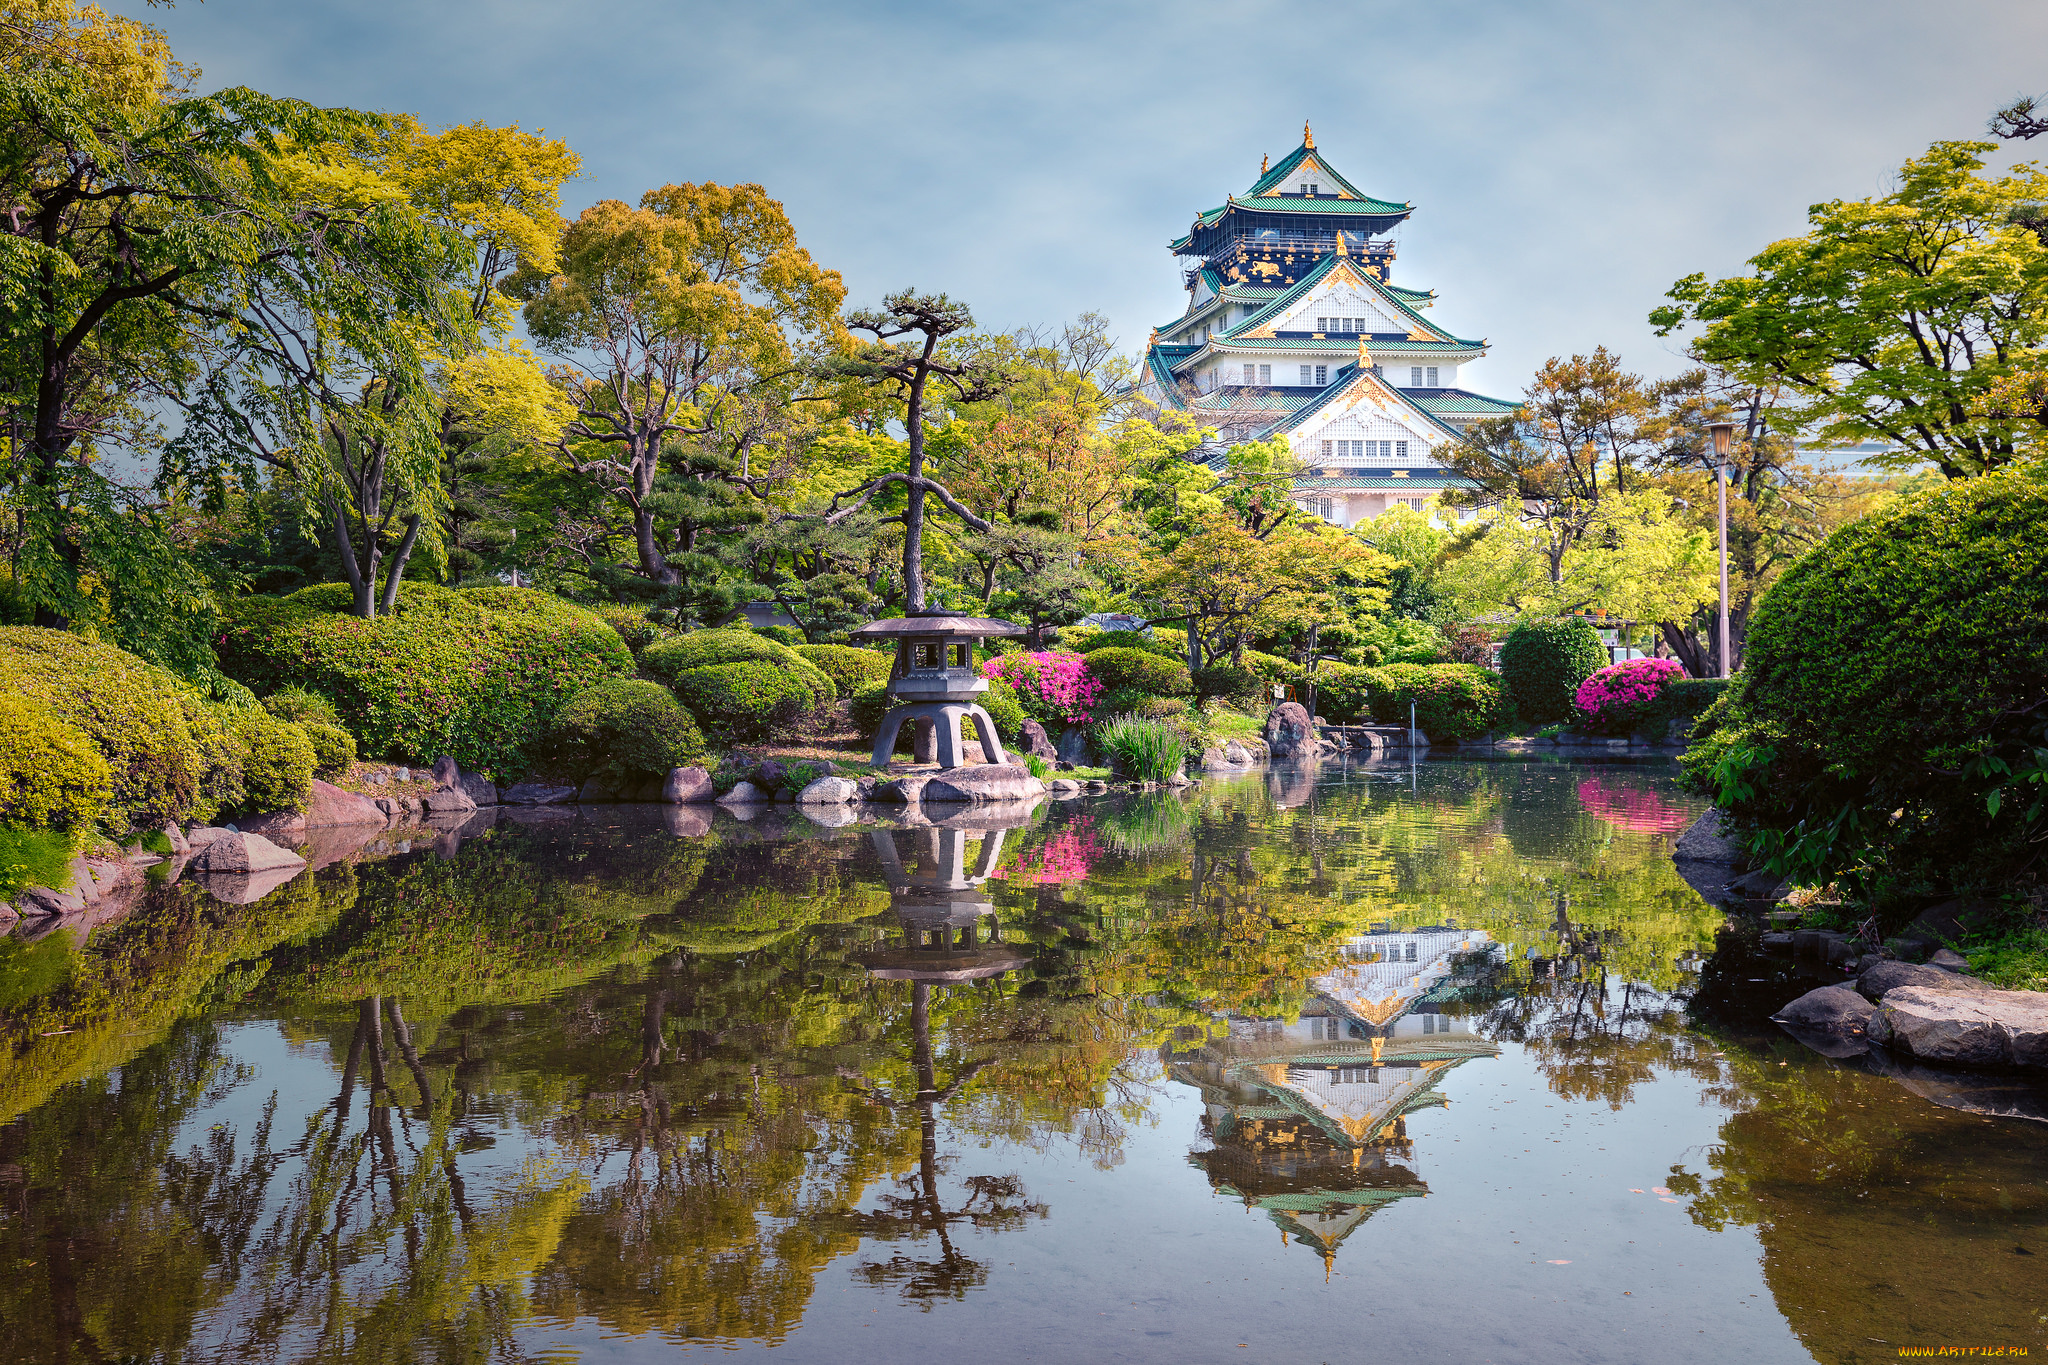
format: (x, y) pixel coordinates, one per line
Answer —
(1895, 318)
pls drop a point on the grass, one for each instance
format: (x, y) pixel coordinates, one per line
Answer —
(33, 857)
(1142, 749)
(1227, 725)
(2017, 962)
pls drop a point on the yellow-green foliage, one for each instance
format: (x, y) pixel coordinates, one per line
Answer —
(849, 668)
(217, 750)
(745, 700)
(669, 659)
(130, 709)
(51, 776)
(1140, 670)
(277, 760)
(476, 673)
(333, 748)
(625, 727)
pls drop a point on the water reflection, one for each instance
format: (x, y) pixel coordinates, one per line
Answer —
(597, 1077)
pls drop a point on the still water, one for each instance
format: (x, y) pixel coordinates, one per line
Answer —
(1361, 1063)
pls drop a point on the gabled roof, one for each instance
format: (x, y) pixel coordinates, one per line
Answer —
(1282, 173)
(1431, 482)
(1459, 402)
(1351, 379)
(1323, 269)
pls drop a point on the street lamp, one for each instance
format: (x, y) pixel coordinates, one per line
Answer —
(1724, 437)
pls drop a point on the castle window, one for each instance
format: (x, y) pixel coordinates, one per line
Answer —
(1415, 377)
(1326, 448)
(1400, 450)
(1432, 376)
(1322, 374)
(1265, 374)
(1306, 372)
(1322, 324)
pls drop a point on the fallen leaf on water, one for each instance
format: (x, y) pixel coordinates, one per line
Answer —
(1635, 1191)
(1557, 1262)
(1659, 1189)
(1667, 1200)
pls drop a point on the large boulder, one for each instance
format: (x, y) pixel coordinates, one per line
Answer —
(743, 794)
(237, 851)
(1829, 1009)
(447, 801)
(1703, 842)
(280, 826)
(1289, 731)
(1034, 741)
(1236, 753)
(1886, 977)
(829, 791)
(1073, 746)
(905, 789)
(983, 782)
(478, 788)
(329, 806)
(1973, 1028)
(688, 786)
(446, 772)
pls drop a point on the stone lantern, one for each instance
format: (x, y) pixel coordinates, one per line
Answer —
(935, 679)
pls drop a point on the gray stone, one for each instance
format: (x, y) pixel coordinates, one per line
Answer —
(278, 826)
(1885, 977)
(200, 837)
(238, 852)
(905, 789)
(447, 801)
(829, 791)
(688, 786)
(1830, 1009)
(1971, 1028)
(1035, 742)
(328, 805)
(402, 775)
(769, 774)
(445, 771)
(1704, 843)
(1289, 732)
(393, 810)
(1061, 788)
(983, 782)
(1073, 747)
(1760, 886)
(743, 794)
(177, 838)
(40, 901)
(1777, 943)
(542, 794)
(1949, 960)
(1236, 753)
(479, 789)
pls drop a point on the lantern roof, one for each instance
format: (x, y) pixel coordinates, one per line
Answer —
(937, 623)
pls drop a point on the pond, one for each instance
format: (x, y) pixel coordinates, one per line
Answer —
(1398, 1062)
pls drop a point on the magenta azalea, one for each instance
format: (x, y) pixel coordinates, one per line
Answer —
(1054, 685)
(1613, 693)
(1619, 802)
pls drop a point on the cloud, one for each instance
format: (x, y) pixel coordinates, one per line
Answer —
(1567, 160)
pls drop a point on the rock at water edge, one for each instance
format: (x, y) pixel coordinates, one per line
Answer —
(1830, 1009)
(1885, 977)
(743, 794)
(829, 791)
(538, 794)
(1987, 1028)
(233, 851)
(1033, 740)
(1289, 731)
(688, 786)
(983, 782)
(328, 806)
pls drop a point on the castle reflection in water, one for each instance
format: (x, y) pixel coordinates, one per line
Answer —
(1307, 1120)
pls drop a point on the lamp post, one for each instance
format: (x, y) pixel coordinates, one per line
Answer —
(1724, 437)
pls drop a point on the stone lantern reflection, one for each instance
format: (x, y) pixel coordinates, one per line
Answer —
(934, 679)
(940, 903)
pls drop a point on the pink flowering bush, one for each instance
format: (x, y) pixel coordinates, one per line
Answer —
(1065, 856)
(1616, 699)
(1620, 801)
(1054, 685)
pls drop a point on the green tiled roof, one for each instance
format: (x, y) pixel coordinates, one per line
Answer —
(1347, 348)
(1345, 378)
(1459, 401)
(1407, 295)
(1279, 174)
(1307, 282)
(1256, 400)
(1322, 203)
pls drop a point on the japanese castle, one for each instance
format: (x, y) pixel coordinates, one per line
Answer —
(1294, 326)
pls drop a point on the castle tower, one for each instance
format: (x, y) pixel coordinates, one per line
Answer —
(1294, 326)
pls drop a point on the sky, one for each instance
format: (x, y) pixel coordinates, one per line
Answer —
(1568, 161)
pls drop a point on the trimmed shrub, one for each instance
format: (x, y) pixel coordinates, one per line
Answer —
(670, 659)
(1003, 707)
(1272, 667)
(1235, 684)
(1617, 699)
(870, 704)
(474, 672)
(277, 760)
(632, 625)
(51, 775)
(624, 728)
(1140, 670)
(1542, 664)
(748, 700)
(131, 710)
(1452, 701)
(1343, 692)
(299, 705)
(849, 667)
(781, 635)
(1126, 639)
(1054, 685)
(334, 748)
(1894, 699)
(219, 752)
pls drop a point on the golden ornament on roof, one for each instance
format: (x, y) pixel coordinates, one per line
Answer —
(1308, 135)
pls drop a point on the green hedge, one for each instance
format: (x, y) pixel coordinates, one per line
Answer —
(635, 631)
(1542, 664)
(1138, 670)
(51, 775)
(849, 668)
(870, 704)
(749, 700)
(334, 748)
(1126, 639)
(1003, 707)
(1343, 692)
(277, 760)
(669, 660)
(624, 728)
(1893, 705)
(134, 713)
(477, 673)
(1452, 701)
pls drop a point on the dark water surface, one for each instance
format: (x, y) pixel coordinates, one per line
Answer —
(1364, 1064)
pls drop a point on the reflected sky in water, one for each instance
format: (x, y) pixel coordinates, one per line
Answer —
(1322, 1065)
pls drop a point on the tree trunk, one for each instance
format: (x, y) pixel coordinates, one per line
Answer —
(399, 556)
(362, 586)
